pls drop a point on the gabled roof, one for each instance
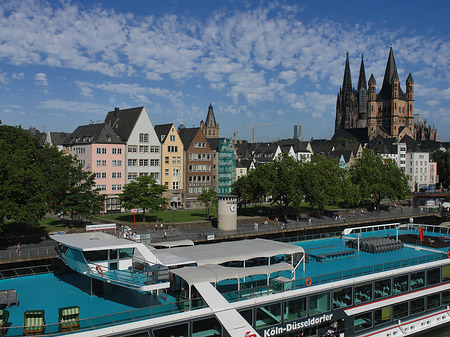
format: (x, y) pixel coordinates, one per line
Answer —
(266, 151)
(359, 134)
(347, 155)
(214, 143)
(430, 145)
(187, 135)
(162, 131)
(411, 144)
(123, 121)
(100, 133)
(58, 138)
(296, 144)
(244, 163)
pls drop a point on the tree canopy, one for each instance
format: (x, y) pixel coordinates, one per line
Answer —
(36, 179)
(143, 193)
(208, 198)
(442, 158)
(378, 178)
(323, 181)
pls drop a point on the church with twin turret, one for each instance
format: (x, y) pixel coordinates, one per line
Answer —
(388, 113)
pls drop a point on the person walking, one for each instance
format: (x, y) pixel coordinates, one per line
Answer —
(18, 250)
(165, 235)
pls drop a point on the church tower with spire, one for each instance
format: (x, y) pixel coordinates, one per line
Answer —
(210, 127)
(362, 96)
(390, 113)
(346, 103)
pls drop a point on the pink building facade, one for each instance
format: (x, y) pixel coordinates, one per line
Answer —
(101, 151)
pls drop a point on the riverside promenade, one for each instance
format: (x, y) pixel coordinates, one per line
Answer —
(206, 232)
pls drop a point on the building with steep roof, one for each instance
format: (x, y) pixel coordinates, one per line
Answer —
(210, 127)
(101, 151)
(143, 149)
(172, 163)
(388, 113)
(198, 165)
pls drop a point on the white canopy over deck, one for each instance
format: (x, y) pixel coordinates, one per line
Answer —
(214, 273)
(242, 250)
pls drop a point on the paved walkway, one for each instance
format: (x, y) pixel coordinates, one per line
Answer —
(205, 233)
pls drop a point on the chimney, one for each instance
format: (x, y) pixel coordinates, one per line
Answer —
(116, 108)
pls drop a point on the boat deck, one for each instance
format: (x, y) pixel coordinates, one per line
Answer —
(50, 292)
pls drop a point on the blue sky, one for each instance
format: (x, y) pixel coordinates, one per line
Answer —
(67, 63)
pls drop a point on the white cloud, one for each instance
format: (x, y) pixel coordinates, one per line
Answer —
(18, 76)
(41, 79)
(73, 106)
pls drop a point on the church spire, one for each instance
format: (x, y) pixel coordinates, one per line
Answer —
(390, 68)
(362, 76)
(347, 83)
(210, 119)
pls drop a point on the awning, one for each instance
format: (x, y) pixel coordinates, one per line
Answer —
(242, 250)
(214, 273)
(170, 244)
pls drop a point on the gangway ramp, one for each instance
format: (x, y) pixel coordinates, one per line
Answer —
(231, 320)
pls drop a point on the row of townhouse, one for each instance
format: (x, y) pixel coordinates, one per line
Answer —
(127, 145)
(413, 157)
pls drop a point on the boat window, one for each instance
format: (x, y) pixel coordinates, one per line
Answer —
(433, 301)
(126, 253)
(268, 315)
(294, 309)
(363, 293)
(400, 310)
(319, 303)
(400, 284)
(180, 330)
(139, 334)
(446, 297)
(382, 288)
(418, 305)
(417, 280)
(433, 276)
(96, 255)
(206, 327)
(363, 321)
(445, 273)
(248, 315)
(238, 264)
(342, 298)
(382, 315)
(113, 254)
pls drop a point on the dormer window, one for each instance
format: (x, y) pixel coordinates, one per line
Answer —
(108, 139)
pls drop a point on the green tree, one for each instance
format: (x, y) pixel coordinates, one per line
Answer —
(442, 158)
(22, 181)
(143, 193)
(254, 186)
(283, 179)
(378, 178)
(323, 181)
(208, 198)
(35, 179)
(80, 197)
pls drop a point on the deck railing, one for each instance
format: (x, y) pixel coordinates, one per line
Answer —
(30, 271)
(238, 295)
(117, 318)
(11, 255)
